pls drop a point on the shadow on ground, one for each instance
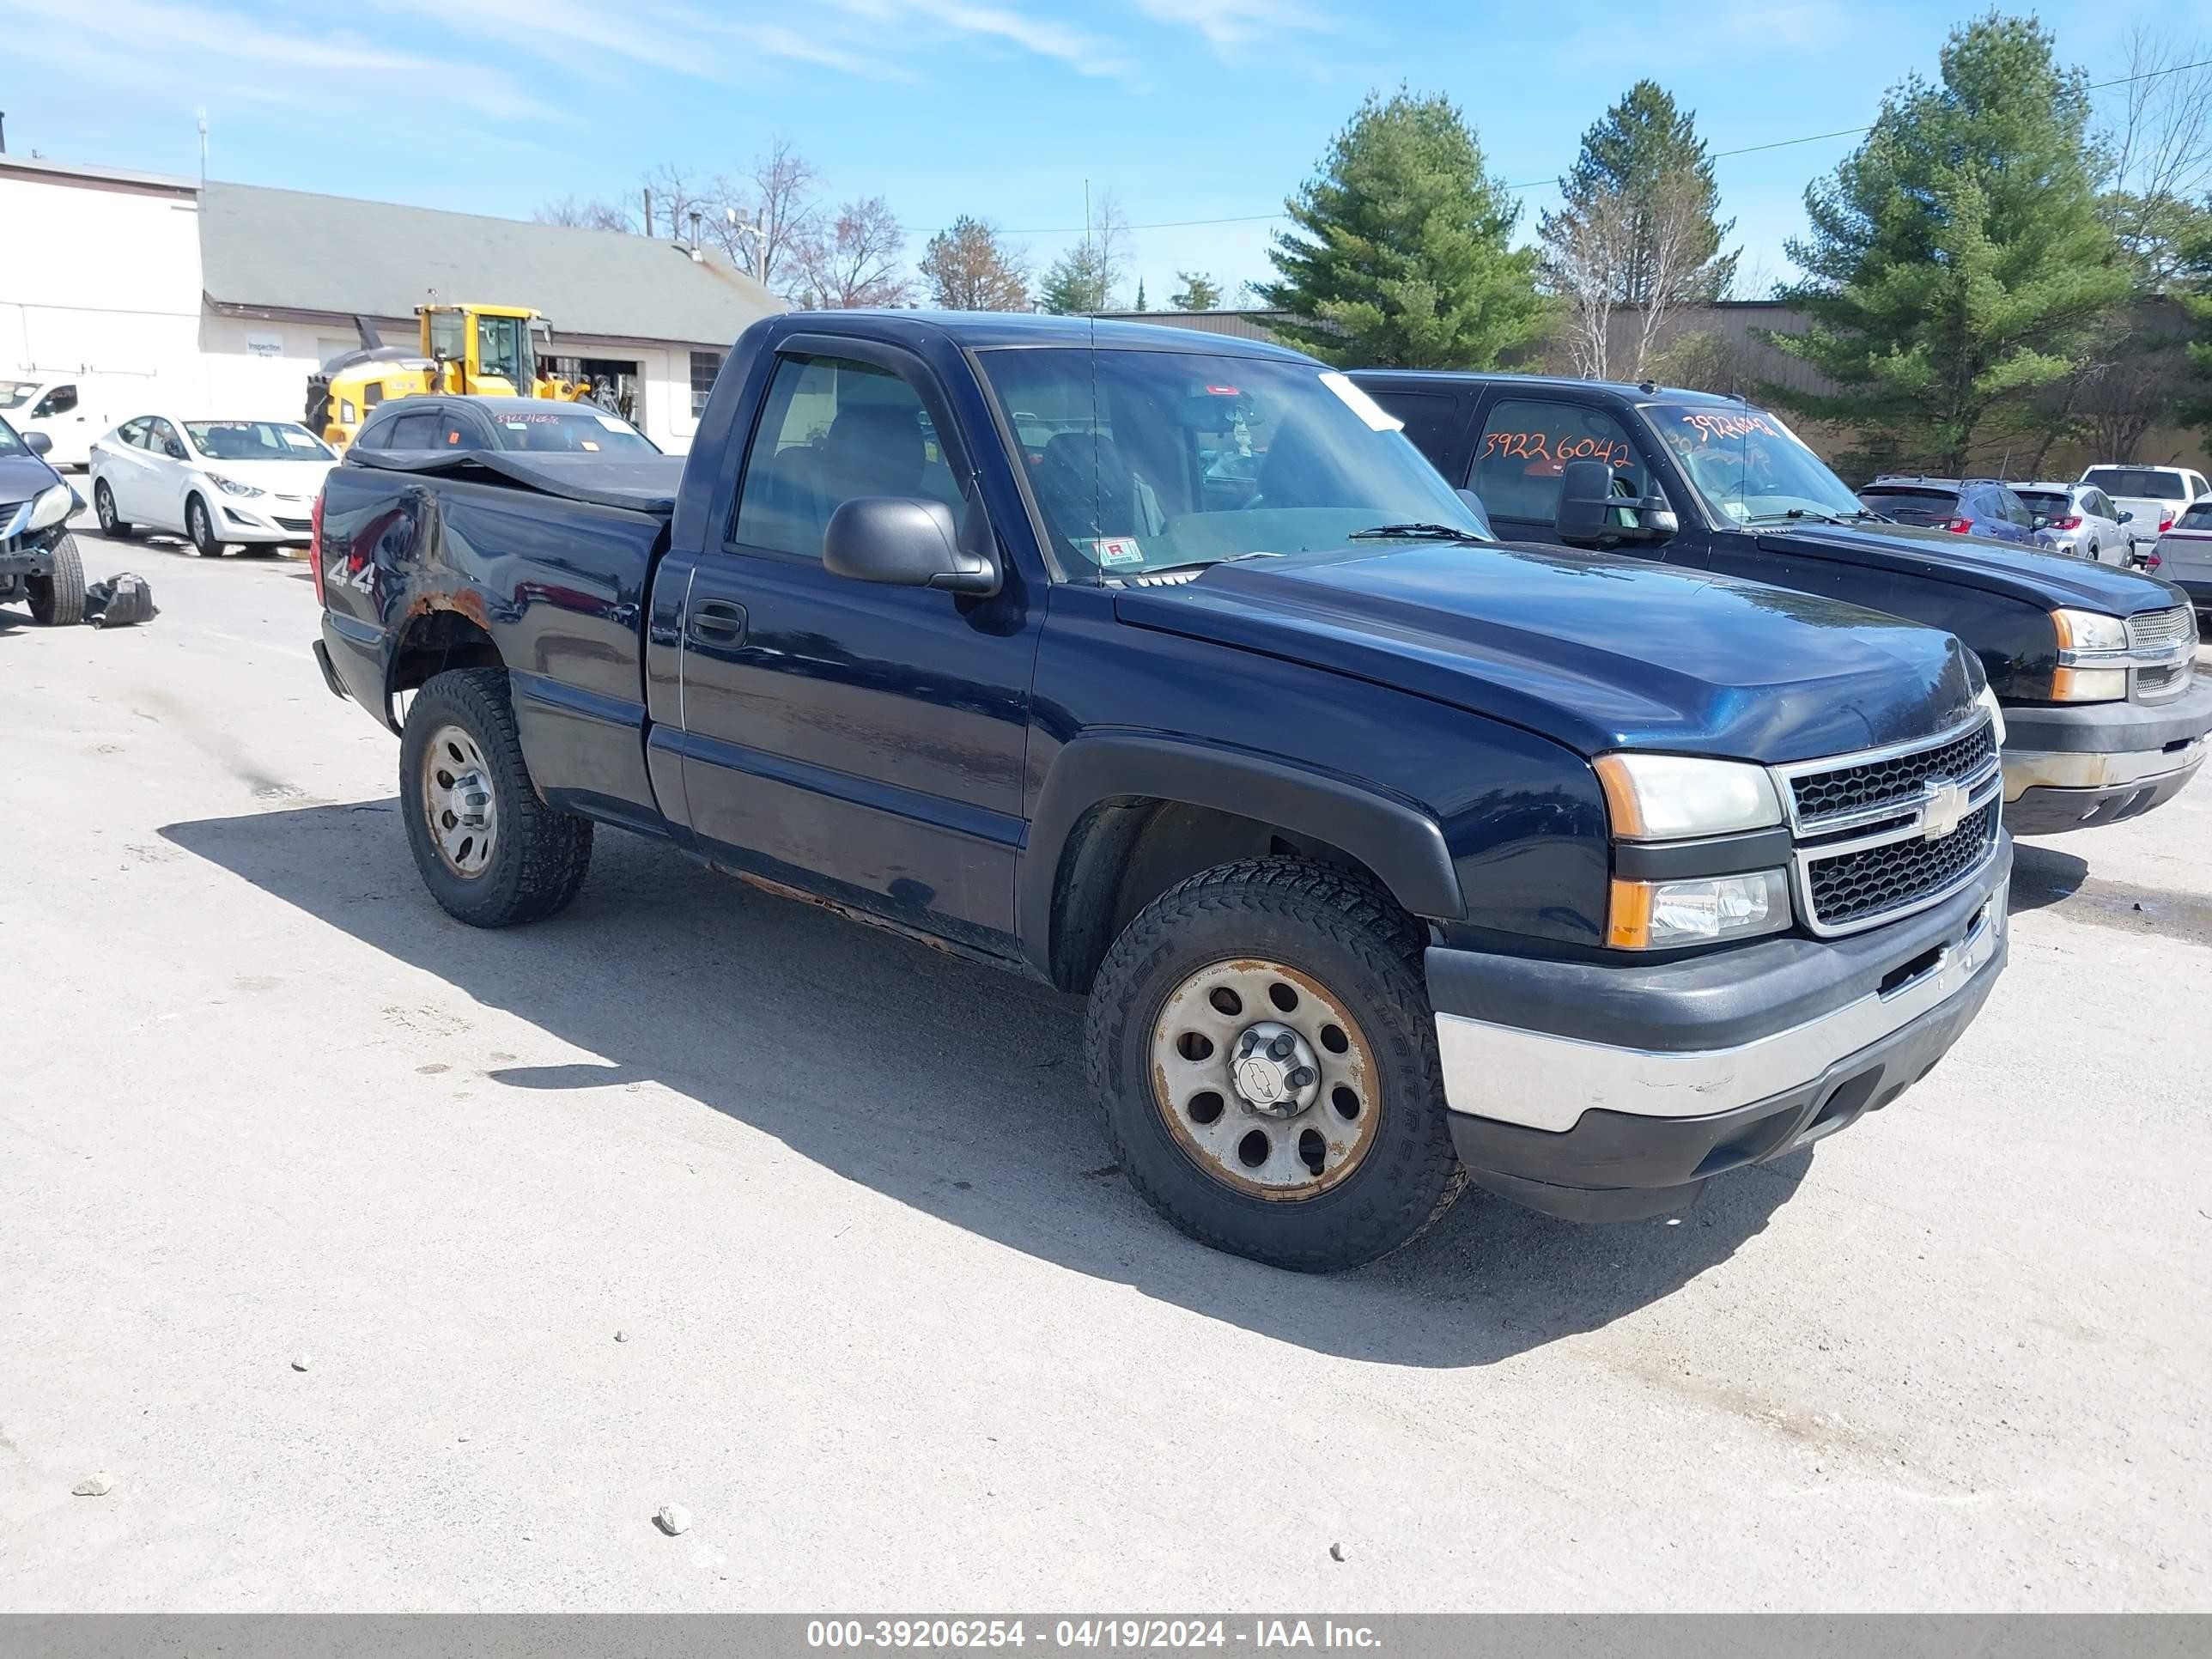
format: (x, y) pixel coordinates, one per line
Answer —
(952, 1087)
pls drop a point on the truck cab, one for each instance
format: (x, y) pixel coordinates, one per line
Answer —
(2095, 666)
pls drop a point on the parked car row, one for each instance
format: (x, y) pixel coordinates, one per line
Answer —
(1665, 835)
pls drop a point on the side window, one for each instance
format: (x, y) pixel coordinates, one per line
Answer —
(372, 394)
(161, 437)
(416, 430)
(1432, 418)
(1526, 445)
(373, 436)
(2015, 509)
(833, 430)
(134, 432)
(60, 401)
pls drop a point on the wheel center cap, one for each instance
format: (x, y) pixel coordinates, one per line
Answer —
(471, 800)
(1274, 1070)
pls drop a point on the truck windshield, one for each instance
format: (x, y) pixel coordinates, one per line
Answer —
(14, 394)
(1748, 465)
(1139, 460)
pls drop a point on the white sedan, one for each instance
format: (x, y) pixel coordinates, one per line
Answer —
(222, 483)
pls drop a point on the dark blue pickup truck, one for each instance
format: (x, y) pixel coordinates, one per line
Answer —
(2095, 667)
(1163, 669)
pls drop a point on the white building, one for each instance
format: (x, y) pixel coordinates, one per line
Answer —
(225, 298)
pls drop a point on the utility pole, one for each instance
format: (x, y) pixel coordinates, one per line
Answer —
(202, 114)
(648, 213)
(3, 132)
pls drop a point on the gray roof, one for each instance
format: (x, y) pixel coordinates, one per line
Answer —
(288, 250)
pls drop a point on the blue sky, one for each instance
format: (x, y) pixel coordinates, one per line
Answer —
(1185, 109)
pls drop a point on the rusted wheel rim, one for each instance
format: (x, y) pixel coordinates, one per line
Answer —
(1231, 1050)
(459, 803)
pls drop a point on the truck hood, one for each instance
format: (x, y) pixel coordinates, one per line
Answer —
(1592, 650)
(2046, 580)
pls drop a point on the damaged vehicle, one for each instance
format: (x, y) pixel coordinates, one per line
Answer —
(38, 562)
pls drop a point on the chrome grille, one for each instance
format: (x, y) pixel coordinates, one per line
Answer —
(1830, 797)
(1881, 880)
(2160, 630)
(1889, 831)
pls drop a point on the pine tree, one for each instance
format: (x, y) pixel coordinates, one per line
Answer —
(1957, 264)
(1639, 228)
(1199, 292)
(1141, 306)
(1401, 254)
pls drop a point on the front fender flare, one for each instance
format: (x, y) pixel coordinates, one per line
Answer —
(1399, 842)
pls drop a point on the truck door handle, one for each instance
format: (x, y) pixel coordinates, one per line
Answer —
(717, 622)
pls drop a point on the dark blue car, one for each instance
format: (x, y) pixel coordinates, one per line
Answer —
(1965, 507)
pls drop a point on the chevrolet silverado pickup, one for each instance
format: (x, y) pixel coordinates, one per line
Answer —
(2095, 667)
(1163, 669)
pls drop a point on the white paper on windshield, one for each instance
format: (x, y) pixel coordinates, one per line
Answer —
(611, 424)
(300, 440)
(1360, 404)
(1118, 549)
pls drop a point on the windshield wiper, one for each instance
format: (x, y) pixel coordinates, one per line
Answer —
(1195, 564)
(1417, 532)
(1812, 513)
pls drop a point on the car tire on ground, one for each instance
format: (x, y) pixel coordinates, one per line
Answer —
(491, 852)
(103, 508)
(57, 601)
(199, 528)
(1307, 971)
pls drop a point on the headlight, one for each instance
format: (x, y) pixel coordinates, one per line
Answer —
(1987, 699)
(52, 505)
(2088, 641)
(1669, 796)
(1661, 915)
(231, 486)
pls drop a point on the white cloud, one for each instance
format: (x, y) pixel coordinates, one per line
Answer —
(940, 20)
(206, 51)
(1229, 25)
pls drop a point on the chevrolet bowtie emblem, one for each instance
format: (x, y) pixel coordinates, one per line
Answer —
(1942, 804)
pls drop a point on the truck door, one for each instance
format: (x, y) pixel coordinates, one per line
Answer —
(1524, 445)
(851, 738)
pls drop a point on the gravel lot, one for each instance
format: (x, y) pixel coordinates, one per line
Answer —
(894, 1336)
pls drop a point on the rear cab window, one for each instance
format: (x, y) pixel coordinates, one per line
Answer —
(2199, 517)
(2156, 483)
(1912, 503)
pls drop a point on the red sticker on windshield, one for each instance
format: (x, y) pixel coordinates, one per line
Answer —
(1221, 391)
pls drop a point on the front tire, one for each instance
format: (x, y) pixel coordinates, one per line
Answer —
(103, 507)
(57, 601)
(491, 852)
(1333, 1149)
(199, 528)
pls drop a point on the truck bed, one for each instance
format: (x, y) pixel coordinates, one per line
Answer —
(646, 485)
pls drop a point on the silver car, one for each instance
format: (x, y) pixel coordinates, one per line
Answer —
(2078, 519)
(2184, 557)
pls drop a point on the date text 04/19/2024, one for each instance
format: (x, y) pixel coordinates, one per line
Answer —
(937, 1634)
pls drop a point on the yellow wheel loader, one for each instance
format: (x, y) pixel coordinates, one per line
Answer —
(476, 350)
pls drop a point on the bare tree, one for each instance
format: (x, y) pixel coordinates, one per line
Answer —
(2156, 145)
(769, 220)
(967, 268)
(1585, 261)
(857, 262)
(583, 215)
(1677, 232)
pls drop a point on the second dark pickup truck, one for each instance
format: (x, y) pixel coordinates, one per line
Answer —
(2095, 666)
(1163, 669)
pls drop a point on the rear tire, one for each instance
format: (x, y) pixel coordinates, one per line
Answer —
(199, 528)
(57, 601)
(1362, 1168)
(538, 855)
(103, 507)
